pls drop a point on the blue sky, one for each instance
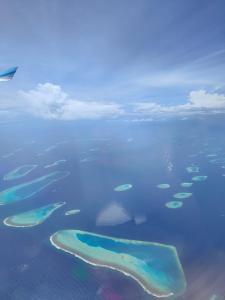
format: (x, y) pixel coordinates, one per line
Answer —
(143, 51)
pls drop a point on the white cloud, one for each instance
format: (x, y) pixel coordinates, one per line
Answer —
(49, 101)
(202, 99)
(198, 102)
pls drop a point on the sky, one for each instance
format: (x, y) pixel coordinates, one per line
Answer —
(96, 58)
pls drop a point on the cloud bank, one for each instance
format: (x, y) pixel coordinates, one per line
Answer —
(49, 101)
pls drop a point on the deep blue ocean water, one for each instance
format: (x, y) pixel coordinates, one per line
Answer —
(101, 155)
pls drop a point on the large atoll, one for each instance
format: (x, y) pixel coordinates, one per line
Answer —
(156, 267)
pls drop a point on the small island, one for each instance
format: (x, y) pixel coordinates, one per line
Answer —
(174, 204)
(182, 195)
(163, 186)
(156, 267)
(193, 169)
(211, 155)
(123, 187)
(186, 184)
(30, 188)
(199, 178)
(72, 212)
(32, 217)
(19, 172)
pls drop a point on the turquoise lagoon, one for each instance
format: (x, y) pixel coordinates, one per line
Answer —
(28, 189)
(32, 217)
(19, 172)
(156, 267)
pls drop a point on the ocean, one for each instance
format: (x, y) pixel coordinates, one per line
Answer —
(101, 155)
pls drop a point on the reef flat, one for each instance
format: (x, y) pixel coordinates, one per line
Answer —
(163, 186)
(186, 184)
(193, 169)
(72, 212)
(8, 155)
(215, 297)
(199, 178)
(123, 187)
(174, 204)
(156, 267)
(182, 195)
(217, 161)
(32, 217)
(211, 155)
(56, 163)
(28, 189)
(19, 172)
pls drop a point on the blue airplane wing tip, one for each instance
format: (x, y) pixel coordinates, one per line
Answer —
(8, 74)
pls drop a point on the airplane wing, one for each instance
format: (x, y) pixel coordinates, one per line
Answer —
(8, 74)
